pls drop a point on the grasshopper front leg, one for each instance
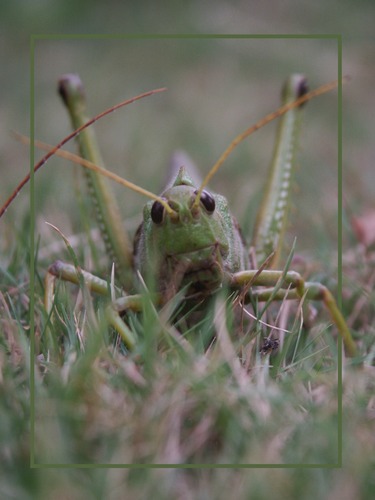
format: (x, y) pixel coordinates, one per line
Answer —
(68, 272)
(293, 286)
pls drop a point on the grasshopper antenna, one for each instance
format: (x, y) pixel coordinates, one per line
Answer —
(67, 155)
(304, 96)
(68, 138)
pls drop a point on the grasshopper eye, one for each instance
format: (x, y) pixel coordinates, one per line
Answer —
(157, 212)
(208, 201)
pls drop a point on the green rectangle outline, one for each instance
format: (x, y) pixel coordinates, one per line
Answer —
(33, 39)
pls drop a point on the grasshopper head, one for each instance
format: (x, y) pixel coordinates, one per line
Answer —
(194, 246)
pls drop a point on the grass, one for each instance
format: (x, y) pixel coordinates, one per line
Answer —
(172, 402)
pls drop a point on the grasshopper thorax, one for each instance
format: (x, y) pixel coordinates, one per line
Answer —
(194, 247)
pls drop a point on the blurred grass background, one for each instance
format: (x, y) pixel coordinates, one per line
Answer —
(216, 89)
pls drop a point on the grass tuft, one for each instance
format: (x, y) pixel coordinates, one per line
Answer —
(182, 398)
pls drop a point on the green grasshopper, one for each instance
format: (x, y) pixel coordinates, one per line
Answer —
(188, 239)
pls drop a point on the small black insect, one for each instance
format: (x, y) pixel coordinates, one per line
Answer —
(269, 346)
